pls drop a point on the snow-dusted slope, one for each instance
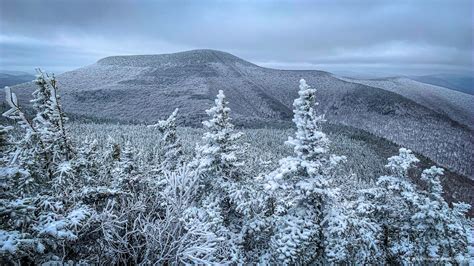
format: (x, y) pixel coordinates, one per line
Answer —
(149, 87)
(457, 105)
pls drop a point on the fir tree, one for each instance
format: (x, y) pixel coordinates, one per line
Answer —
(126, 171)
(219, 166)
(439, 230)
(218, 156)
(397, 202)
(87, 163)
(50, 118)
(30, 155)
(300, 186)
(171, 143)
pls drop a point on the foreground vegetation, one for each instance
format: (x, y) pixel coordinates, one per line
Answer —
(66, 197)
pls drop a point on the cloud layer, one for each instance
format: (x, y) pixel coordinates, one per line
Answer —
(398, 36)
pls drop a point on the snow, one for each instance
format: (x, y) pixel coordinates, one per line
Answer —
(9, 241)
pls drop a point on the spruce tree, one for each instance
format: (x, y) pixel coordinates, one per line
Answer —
(397, 201)
(300, 186)
(218, 156)
(171, 143)
(439, 230)
(219, 166)
(30, 154)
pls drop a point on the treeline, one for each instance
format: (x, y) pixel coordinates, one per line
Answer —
(64, 200)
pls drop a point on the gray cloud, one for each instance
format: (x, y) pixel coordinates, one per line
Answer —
(426, 35)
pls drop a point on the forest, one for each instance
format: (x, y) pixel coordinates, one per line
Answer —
(165, 194)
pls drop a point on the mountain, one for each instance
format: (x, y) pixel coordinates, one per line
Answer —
(462, 83)
(147, 88)
(10, 78)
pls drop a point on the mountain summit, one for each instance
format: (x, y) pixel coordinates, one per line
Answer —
(193, 57)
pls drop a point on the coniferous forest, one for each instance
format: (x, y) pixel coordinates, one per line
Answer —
(75, 193)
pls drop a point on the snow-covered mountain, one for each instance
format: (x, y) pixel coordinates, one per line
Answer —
(457, 105)
(147, 88)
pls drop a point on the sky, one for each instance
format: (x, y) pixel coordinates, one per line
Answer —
(361, 36)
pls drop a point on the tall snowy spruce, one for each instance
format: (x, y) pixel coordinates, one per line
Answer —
(218, 154)
(29, 156)
(219, 166)
(300, 187)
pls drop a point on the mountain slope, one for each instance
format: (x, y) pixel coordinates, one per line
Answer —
(457, 105)
(148, 88)
(462, 83)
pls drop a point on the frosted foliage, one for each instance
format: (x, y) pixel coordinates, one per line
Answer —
(400, 164)
(431, 176)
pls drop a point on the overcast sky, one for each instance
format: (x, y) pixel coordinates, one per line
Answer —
(393, 37)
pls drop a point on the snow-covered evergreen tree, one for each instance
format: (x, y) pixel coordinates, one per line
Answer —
(126, 170)
(301, 186)
(397, 202)
(109, 159)
(218, 156)
(50, 118)
(41, 218)
(418, 225)
(219, 164)
(429, 217)
(45, 150)
(87, 163)
(171, 143)
(30, 156)
(439, 231)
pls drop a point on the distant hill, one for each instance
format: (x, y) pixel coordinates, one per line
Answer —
(462, 83)
(147, 88)
(10, 78)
